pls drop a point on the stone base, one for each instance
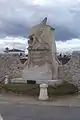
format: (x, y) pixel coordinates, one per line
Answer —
(43, 92)
(49, 82)
(37, 73)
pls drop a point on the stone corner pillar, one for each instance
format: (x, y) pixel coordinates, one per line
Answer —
(43, 92)
(6, 79)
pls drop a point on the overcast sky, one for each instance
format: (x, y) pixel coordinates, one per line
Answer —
(17, 16)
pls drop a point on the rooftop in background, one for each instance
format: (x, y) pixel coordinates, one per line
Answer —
(14, 50)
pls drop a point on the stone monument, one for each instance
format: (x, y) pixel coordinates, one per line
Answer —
(42, 62)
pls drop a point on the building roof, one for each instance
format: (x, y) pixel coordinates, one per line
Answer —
(15, 50)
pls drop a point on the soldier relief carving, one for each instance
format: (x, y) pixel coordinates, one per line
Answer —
(36, 40)
(39, 51)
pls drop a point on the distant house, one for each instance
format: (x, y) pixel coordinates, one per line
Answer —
(14, 51)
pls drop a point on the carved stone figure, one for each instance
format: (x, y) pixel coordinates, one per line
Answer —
(40, 53)
(37, 39)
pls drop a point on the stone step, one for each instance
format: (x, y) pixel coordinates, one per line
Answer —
(49, 82)
(18, 80)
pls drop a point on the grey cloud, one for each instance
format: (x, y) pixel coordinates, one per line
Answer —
(62, 33)
(15, 45)
(17, 16)
(75, 25)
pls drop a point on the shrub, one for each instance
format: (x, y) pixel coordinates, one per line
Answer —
(33, 89)
(63, 89)
(29, 89)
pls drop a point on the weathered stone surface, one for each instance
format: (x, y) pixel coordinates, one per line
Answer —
(41, 54)
(71, 71)
(10, 65)
(37, 73)
(43, 92)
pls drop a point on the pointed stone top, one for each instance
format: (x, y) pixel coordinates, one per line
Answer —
(44, 21)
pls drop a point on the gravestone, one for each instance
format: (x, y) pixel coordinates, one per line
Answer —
(42, 62)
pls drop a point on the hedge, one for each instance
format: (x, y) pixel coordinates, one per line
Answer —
(28, 89)
(33, 89)
(63, 89)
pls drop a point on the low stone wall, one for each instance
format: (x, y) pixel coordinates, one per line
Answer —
(10, 65)
(71, 71)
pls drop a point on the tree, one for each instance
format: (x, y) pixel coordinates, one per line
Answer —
(6, 49)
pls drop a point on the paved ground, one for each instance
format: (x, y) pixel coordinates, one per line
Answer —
(28, 108)
(60, 101)
(38, 112)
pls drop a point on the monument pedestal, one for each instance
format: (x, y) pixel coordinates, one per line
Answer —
(43, 92)
(41, 64)
(37, 73)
